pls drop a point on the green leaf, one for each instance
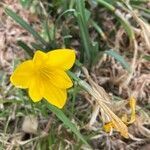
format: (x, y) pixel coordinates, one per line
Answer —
(37, 46)
(25, 25)
(59, 113)
(119, 58)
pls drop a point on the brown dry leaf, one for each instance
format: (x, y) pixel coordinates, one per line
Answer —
(102, 99)
(117, 123)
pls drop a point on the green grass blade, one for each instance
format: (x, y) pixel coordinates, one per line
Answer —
(58, 20)
(142, 8)
(99, 30)
(119, 58)
(120, 17)
(46, 27)
(147, 57)
(84, 34)
(26, 3)
(126, 25)
(64, 13)
(26, 48)
(37, 46)
(66, 121)
(80, 82)
(107, 5)
(25, 25)
(138, 2)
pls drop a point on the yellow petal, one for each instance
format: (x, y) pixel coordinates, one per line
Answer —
(39, 58)
(53, 95)
(62, 58)
(132, 104)
(124, 118)
(22, 75)
(108, 127)
(60, 79)
(36, 89)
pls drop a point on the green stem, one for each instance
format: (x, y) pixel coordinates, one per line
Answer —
(80, 82)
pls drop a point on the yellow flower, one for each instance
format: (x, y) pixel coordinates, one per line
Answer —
(45, 76)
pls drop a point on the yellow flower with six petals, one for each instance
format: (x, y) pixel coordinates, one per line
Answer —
(45, 76)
